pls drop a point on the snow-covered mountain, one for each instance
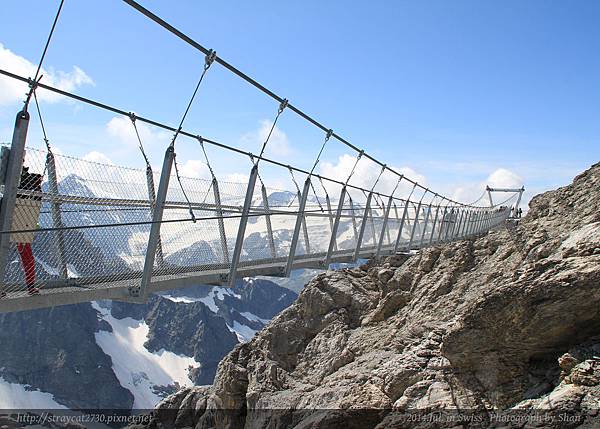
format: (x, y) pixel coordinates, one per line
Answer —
(120, 355)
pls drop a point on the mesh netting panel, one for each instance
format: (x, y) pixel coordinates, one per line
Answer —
(190, 246)
(59, 227)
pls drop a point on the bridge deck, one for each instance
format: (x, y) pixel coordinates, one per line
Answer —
(55, 295)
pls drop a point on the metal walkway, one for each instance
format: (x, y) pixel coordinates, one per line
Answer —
(74, 230)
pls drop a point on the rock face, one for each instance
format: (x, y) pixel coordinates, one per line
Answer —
(55, 351)
(190, 330)
(474, 325)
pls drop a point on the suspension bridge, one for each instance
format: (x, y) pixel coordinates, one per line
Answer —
(72, 230)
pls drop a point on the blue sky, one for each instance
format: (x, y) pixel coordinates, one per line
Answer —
(454, 91)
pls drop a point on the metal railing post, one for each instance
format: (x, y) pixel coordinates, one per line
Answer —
(424, 230)
(354, 227)
(299, 222)
(476, 223)
(459, 225)
(448, 225)
(336, 225)
(265, 199)
(372, 224)
(239, 241)
(472, 219)
(219, 214)
(304, 228)
(384, 227)
(328, 201)
(11, 183)
(437, 211)
(401, 227)
(414, 228)
(56, 217)
(519, 198)
(465, 225)
(455, 224)
(152, 198)
(441, 230)
(481, 222)
(363, 225)
(157, 216)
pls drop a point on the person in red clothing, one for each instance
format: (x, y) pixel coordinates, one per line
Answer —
(25, 218)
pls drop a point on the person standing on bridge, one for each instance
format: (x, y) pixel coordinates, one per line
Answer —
(25, 218)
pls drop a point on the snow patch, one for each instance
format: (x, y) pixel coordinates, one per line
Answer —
(137, 369)
(216, 292)
(18, 396)
(254, 318)
(242, 332)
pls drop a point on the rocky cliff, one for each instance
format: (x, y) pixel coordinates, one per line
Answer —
(504, 321)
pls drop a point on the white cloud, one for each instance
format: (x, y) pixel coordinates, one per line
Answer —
(365, 175)
(194, 169)
(499, 178)
(98, 157)
(503, 178)
(121, 128)
(237, 178)
(278, 144)
(13, 91)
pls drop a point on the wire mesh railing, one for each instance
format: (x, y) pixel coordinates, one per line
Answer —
(91, 229)
(75, 226)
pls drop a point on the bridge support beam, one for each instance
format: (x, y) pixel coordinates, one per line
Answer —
(449, 225)
(335, 227)
(56, 218)
(363, 225)
(443, 222)
(219, 214)
(471, 224)
(459, 224)
(299, 222)
(328, 201)
(265, 199)
(157, 216)
(12, 177)
(354, 227)
(424, 230)
(152, 198)
(437, 211)
(519, 198)
(384, 228)
(401, 227)
(463, 231)
(372, 224)
(239, 241)
(414, 228)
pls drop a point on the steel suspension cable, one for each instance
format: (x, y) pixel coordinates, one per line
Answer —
(208, 60)
(212, 173)
(39, 112)
(39, 67)
(327, 137)
(280, 110)
(378, 177)
(164, 126)
(201, 141)
(140, 144)
(295, 184)
(257, 85)
(354, 168)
